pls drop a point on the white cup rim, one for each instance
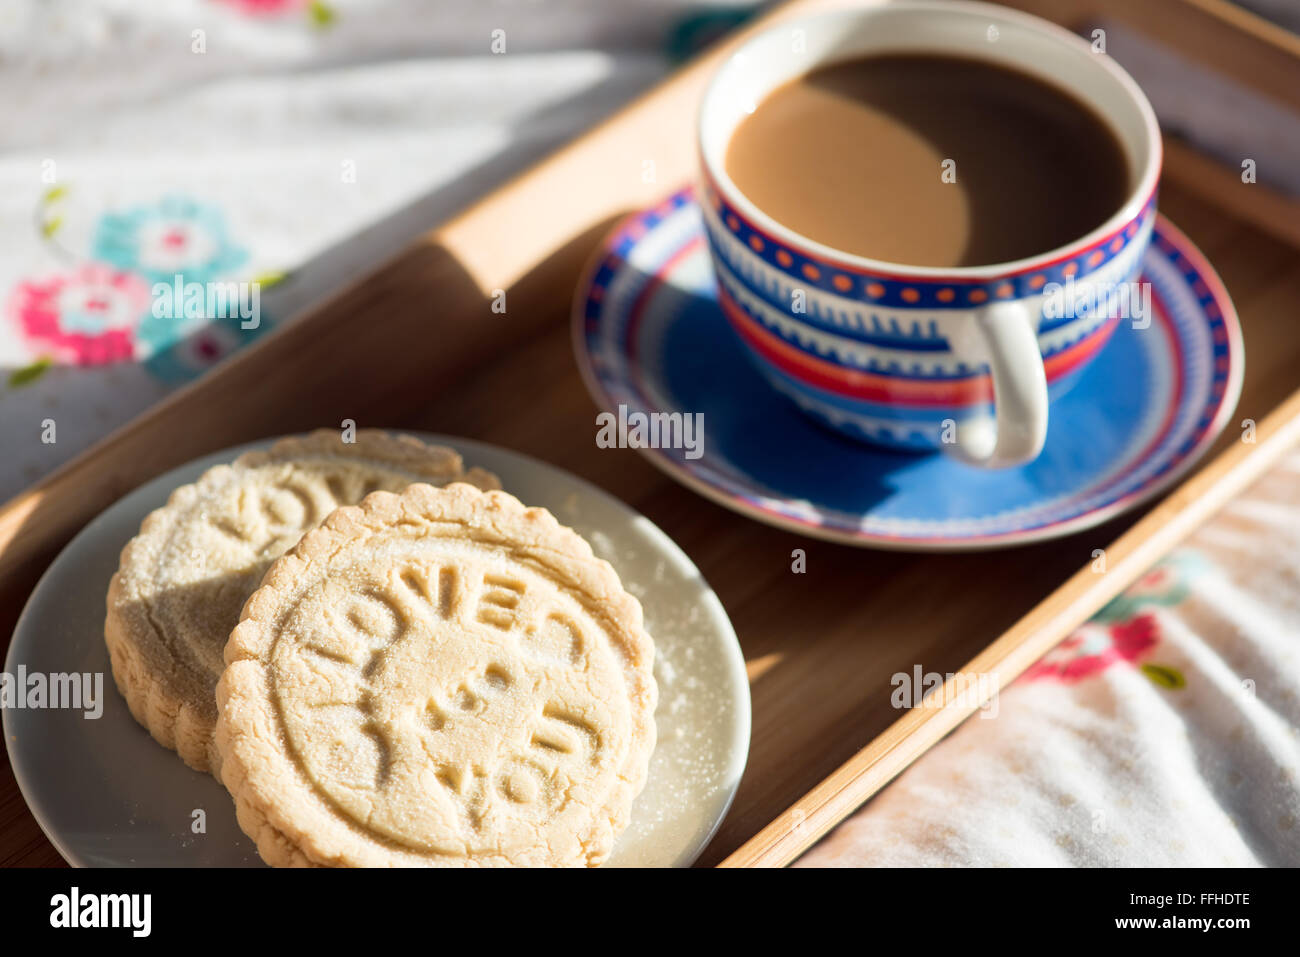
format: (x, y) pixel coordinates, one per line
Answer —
(1138, 197)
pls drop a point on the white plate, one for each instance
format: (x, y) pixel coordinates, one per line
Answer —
(106, 794)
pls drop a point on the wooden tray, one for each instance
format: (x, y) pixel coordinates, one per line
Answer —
(418, 345)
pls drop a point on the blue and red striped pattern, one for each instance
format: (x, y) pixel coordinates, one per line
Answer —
(650, 335)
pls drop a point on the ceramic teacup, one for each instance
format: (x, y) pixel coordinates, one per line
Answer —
(963, 359)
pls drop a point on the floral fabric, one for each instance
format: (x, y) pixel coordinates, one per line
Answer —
(287, 145)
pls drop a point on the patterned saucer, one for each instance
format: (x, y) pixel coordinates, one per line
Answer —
(650, 338)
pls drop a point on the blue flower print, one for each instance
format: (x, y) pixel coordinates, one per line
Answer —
(174, 236)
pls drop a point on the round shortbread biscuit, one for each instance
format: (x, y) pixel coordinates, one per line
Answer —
(438, 678)
(183, 580)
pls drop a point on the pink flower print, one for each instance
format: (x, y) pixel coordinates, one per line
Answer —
(1168, 583)
(1156, 583)
(1095, 647)
(86, 317)
(265, 8)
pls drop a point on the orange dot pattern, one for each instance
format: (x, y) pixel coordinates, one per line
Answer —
(975, 294)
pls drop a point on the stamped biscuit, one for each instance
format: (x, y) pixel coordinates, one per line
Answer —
(184, 578)
(437, 678)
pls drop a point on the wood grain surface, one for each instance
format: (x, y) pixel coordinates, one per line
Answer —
(819, 661)
(417, 346)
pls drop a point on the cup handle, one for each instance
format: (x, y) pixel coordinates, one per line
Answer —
(1004, 333)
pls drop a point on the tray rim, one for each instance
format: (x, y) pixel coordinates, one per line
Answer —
(1154, 535)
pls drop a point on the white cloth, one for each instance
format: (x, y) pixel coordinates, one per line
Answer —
(1165, 732)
